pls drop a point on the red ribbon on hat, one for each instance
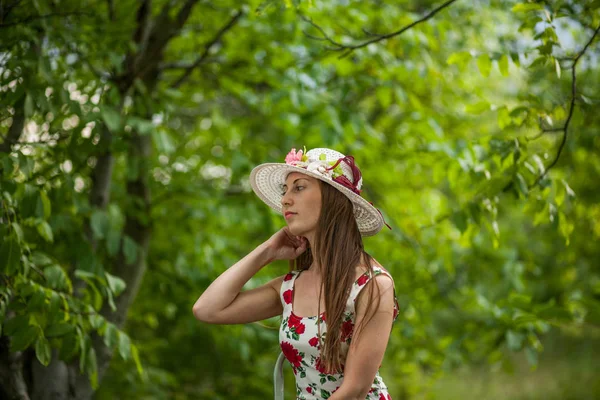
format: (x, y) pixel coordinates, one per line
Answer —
(356, 175)
(389, 227)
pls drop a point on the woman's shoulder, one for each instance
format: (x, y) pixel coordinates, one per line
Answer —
(362, 269)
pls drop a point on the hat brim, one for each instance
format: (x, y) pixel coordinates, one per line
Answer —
(266, 181)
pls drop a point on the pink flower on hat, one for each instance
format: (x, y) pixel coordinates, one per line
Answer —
(293, 156)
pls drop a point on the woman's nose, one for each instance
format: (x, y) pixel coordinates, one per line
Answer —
(285, 200)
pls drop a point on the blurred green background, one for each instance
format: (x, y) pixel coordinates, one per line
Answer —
(128, 131)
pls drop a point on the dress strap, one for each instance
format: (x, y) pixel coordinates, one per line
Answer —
(360, 283)
(287, 288)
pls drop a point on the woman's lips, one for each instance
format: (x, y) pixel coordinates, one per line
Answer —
(289, 215)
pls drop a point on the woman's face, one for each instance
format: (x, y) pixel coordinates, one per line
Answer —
(302, 197)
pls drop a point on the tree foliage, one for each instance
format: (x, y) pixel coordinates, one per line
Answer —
(128, 131)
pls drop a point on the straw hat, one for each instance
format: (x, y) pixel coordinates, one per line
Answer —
(328, 165)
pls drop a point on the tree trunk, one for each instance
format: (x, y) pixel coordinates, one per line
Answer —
(12, 383)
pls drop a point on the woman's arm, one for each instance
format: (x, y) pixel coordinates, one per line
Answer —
(367, 349)
(223, 302)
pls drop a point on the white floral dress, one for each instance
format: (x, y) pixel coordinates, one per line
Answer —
(299, 340)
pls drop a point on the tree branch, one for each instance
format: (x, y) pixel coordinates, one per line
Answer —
(142, 32)
(571, 108)
(111, 10)
(347, 49)
(229, 25)
(184, 13)
(185, 65)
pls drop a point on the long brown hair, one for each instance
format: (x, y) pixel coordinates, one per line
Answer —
(338, 250)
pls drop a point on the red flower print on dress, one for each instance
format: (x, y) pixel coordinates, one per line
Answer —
(309, 389)
(287, 277)
(347, 329)
(295, 324)
(291, 354)
(287, 296)
(362, 280)
(320, 367)
(314, 341)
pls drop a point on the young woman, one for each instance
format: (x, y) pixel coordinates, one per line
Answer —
(337, 303)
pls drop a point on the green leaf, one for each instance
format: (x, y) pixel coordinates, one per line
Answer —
(57, 278)
(38, 300)
(91, 366)
(163, 142)
(477, 108)
(540, 61)
(461, 58)
(519, 300)
(18, 231)
(130, 250)
(40, 259)
(110, 335)
(97, 321)
(503, 65)
(44, 230)
(100, 223)
(459, 219)
(29, 105)
(15, 324)
(111, 118)
(59, 329)
(514, 340)
(69, 346)
(136, 359)
(484, 64)
(124, 345)
(46, 206)
(10, 255)
(116, 284)
(558, 69)
(113, 241)
(42, 350)
(523, 188)
(26, 165)
(142, 126)
(23, 338)
(526, 7)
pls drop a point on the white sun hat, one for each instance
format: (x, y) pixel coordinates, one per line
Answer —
(328, 165)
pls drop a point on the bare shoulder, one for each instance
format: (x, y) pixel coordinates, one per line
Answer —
(276, 283)
(383, 281)
(362, 267)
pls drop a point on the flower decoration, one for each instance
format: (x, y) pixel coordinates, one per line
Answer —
(329, 169)
(296, 157)
(320, 167)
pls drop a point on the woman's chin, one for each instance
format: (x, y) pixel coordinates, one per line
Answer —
(295, 229)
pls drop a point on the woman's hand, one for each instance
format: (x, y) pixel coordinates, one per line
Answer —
(285, 246)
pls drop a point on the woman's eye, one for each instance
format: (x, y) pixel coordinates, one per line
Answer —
(297, 188)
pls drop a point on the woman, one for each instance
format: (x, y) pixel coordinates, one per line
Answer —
(337, 304)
